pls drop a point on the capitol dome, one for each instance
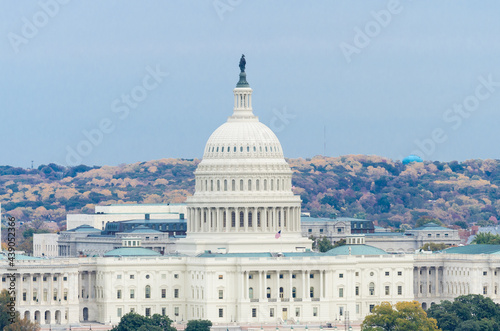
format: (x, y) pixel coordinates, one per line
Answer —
(243, 188)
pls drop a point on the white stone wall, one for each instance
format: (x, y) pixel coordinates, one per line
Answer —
(45, 244)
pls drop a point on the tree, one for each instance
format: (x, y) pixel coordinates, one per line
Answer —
(198, 325)
(486, 238)
(324, 245)
(13, 322)
(408, 316)
(433, 247)
(134, 322)
(467, 312)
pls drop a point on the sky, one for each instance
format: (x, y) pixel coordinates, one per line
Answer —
(112, 82)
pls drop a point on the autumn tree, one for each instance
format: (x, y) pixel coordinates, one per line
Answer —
(9, 322)
(486, 238)
(406, 315)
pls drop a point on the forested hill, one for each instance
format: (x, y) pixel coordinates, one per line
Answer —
(361, 186)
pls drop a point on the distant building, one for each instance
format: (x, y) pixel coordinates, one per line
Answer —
(335, 229)
(45, 244)
(122, 212)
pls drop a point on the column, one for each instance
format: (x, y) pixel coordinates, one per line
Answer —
(275, 220)
(264, 287)
(209, 220)
(277, 285)
(228, 219)
(255, 211)
(304, 285)
(290, 272)
(308, 277)
(261, 292)
(237, 219)
(219, 220)
(245, 219)
(321, 284)
(418, 282)
(264, 220)
(437, 281)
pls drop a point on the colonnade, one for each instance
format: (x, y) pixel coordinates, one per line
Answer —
(243, 219)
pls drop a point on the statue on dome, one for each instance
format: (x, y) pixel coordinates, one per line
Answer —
(242, 63)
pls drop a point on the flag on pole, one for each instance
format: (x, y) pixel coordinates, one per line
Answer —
(277, 235)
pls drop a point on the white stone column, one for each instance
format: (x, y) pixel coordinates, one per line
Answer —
(255, 212)
(260, 295)
(290, 272)
(278, 285)
(237, 219)
(228, 219)
(245, 219)
(264, 220)
(304, 273)
(264, 287)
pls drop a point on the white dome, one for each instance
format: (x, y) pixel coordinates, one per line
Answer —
(242, 139)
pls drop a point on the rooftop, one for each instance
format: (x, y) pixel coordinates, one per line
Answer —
(131, 251)
(474, 249)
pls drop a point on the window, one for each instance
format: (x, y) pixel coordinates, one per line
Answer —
(371, 289)
(400, 273)
(446, 235)
(163, 311)
(163, 293)
(311, 275)
(315, 311)
(311, 292)
(281, 293)
(485, 289)
(250, 276)
(371, 273)
(35, 298)
(387, 291)
(387, 273)
(357, 273)
(119, 294)
(294, 276)
(24, 296)
(54, 279)
(176, 294)
(341, 275)
(44, 278)
(221, 294)
(147, 292)
(176, 275)
(3, 279)
(148, 312)
(132, 294)
(400, 290)
(250, 293)
(221, 277)
(65, 296)
(147, 276)
(371, 308)
(268, 276)
(294, 292)
(485, 273)
(119, 312)
(341, 311)
(176, 311)
(221, 312)
(131, 276)
(281, 276)
(271, 312)
(341, 292)
(118, 276)
(356, 292)
(268, 292)
(55, 295)
(254, 312)
(321, 230)
(309, 230)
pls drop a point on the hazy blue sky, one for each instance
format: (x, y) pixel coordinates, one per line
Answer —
(384, 78)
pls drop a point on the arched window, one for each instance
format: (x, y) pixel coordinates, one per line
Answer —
(249, 184)
(248, 148)
(242, 219)
(294, 292)
(258, 219)
(272, 184)
(218, 185)
(257, 186)
(250, 293)
(277, 184)
(281, 293)
(311, 292)
(241, 184)
(55, 295)
(233, 219)
(250, 222)
(211, 185)
(224, 220)
(371, 288)
(225, 184)
(265, 184)
(268, 292)
(147, 292)
(234, 185)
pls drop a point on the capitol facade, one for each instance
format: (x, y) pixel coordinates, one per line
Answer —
(244, 259)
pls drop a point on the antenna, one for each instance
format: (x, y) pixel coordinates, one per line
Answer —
(31, 164)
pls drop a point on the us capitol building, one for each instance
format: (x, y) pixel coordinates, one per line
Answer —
(244, 259)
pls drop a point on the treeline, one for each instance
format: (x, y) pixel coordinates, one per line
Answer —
(370, 187)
